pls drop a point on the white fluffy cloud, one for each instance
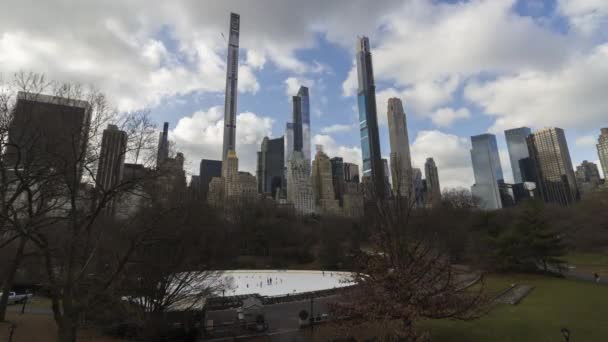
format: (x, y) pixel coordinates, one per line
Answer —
(168, 49)
(444, 117)
(337, 128)
(200, 136)
(518, 68)
(451, 154)
(293, 84)
(573, 97)
(587, 16)
(351, 154)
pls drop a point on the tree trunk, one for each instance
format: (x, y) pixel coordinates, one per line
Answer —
(10, 277)
(67, 328)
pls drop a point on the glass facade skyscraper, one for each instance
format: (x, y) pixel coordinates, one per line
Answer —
(305, 110)
(271, 164)
(487, 171)
(518, 149)
(368, 120)
(555, 177)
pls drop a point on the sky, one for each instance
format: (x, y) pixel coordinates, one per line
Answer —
(461, 68)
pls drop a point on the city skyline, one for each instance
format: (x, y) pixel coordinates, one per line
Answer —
(455, 108)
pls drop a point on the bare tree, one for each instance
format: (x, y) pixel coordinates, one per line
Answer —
(51, 198)
(404, 275)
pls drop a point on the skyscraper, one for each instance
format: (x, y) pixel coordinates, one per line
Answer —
(487, 171)
(433, 189)
(368, 120)
(337, 174)
(299, 187)
(298, 139)
(351, 172)
(232, 70)
(305, 110)
(401, 164)
(555, 177)
(163, 145)
(230, 169)
(111, 158)
(602, 151)
(208, 170)
(50, 133)
(418, 187)
(387, 172)
(271, 165)
(322, 183)
(518, 149)
(587, 177)
(288, 142)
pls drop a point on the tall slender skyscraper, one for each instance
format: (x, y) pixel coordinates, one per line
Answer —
(288, 141)
(305, 110)
(298, 140)
(555, 177)
(487, 171)
(163, 145)
(368, 120)
(111, 158)
(401, 164)
(518, 149)
(433, 188)
(232, 71)
(602, 151)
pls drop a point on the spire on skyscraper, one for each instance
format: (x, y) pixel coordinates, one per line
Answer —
(368, 120)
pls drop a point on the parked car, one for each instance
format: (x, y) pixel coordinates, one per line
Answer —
(14, 298)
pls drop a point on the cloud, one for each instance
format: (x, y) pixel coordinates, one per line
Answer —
(200, 136)
(586, 141)
(293, 84)
(586, 16)
(572, 97)
(451, 154)
(337, 128)
(256, 59)
(444, 117)
(351, 154)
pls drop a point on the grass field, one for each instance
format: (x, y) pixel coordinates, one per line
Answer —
(555, 303)
(588, 263)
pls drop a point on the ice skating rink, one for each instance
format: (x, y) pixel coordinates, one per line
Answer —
(279, 282)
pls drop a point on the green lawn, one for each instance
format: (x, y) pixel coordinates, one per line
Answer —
(588, 263)
(554, 303)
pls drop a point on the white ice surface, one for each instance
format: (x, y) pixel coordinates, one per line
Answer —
(283, 282)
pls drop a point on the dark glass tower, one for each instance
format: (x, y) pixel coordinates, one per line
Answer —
(232, 71)
(163, 145)
(271, 165)
(297, 124)
(487, 171)
(208, 170)
(305, 110)
(518, 149)
(373, 167)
